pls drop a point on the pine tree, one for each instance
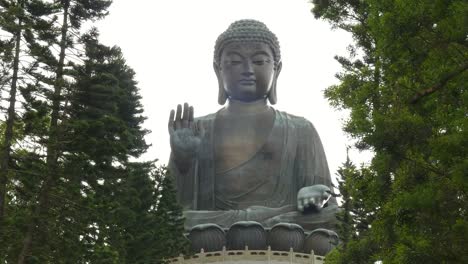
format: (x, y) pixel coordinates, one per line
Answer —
(104, 131)
(356, 215)
(346, 222)
(169, 213)
(73, 14)
(16, 30)
(75, 195)
(17, 63)
(405, 86)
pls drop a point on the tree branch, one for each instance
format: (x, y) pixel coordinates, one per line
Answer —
(438, 86)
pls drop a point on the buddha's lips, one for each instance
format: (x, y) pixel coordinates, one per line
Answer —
(247, 82)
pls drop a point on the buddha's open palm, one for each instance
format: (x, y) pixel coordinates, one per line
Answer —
(313, 197)
(184, 132)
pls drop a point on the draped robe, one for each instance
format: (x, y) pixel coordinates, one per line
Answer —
(291, 158)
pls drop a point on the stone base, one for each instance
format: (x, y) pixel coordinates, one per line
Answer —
(250, 257)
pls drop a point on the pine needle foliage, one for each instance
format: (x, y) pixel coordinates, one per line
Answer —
(404, 83)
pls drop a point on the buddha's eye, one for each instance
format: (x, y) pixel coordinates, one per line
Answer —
(235, 62)
(233, 59)
(231, 62)
(260, 62)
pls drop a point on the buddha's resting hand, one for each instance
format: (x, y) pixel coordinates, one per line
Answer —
(185, 135)
(313, 197)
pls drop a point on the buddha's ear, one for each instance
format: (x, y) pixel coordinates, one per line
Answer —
(222, 96)
(272, 97)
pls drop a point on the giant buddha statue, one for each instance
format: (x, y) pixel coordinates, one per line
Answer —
(249, 161)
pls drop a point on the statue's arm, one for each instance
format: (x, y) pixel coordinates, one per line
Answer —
(184, 181)
(311, 167)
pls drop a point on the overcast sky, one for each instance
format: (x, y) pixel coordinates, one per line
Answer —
(170, 45)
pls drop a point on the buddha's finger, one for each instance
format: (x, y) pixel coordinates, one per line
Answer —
(190, 119)
(185, 116)
(170, 124)
(300, 208)
(313, 200)
(178, 117)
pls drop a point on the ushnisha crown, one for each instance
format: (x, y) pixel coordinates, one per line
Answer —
(247, 30)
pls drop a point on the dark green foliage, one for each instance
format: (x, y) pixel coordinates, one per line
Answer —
(171, 231)
(16, 17)
(74, 192)
(106, 106)
(358, 211)
(405, 86)
(354, 218)
(345, 228)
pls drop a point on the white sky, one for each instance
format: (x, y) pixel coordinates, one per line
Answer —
(169, 43)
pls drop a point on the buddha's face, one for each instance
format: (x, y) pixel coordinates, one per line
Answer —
(247, 70)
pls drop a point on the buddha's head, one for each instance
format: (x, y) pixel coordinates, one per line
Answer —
(247, 62)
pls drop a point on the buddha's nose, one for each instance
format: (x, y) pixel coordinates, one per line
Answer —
(247, 69)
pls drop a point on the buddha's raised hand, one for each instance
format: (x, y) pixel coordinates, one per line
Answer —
(313, 197)
(185, 133)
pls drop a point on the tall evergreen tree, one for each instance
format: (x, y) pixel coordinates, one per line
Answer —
(346, 222)
(74, 193)
(16, 19)
(355, 186)
(104, 131)
(73, 14)
(405, 86)
(170, 218)
(16, 29)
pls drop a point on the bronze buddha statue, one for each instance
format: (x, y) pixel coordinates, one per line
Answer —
(249, 161)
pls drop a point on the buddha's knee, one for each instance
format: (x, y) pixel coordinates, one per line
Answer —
(321, 241)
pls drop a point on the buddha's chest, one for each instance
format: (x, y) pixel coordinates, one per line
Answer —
(239, 138)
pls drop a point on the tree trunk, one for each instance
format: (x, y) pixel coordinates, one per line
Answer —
(7, 142)
(52, 145)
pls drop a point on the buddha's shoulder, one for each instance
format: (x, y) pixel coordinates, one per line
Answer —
(206, 118)
(294, 119)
